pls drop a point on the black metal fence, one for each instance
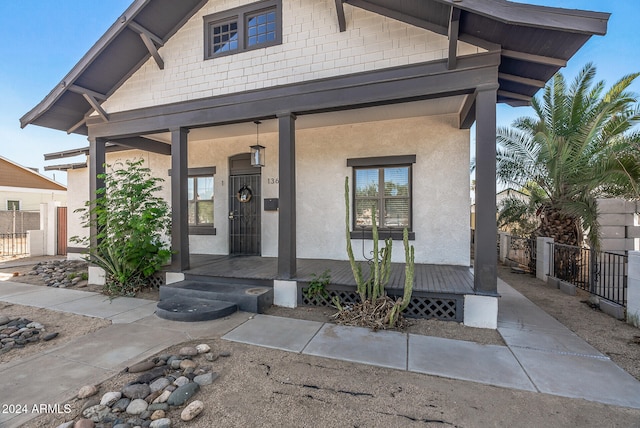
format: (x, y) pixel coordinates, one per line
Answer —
(602, 274)
(13, 244)
(523, 252)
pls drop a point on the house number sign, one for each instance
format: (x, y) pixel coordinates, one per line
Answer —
(273, 180)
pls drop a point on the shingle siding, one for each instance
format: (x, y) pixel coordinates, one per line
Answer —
(312, 48)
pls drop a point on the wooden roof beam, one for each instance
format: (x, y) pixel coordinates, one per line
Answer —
(96, 106)
(454, 30)
(150, 40)
(342, 22)
(514, 96)
(538, 59)
(522, 80)
(145, 144)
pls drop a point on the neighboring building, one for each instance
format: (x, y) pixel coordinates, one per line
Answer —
(381, 91)
(22, 190)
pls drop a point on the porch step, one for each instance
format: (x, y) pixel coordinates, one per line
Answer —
(191, 309)
(249, 298)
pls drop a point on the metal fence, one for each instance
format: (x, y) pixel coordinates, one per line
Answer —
(602, 274)
(523, 252)
(13, 244)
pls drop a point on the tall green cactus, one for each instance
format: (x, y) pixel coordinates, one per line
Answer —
(374, 287)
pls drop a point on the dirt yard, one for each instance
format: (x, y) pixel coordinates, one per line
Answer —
(265, 387)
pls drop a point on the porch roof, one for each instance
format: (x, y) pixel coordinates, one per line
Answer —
(535, 41)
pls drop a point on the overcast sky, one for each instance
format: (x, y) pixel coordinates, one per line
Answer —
(41, 40)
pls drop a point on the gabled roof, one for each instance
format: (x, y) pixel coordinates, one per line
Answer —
(14, 175)
(535, 42)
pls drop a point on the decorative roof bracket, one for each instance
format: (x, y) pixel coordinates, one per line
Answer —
(342, 23)
(454, 31)
(150, 40)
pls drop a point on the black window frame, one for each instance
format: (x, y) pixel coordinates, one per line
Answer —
(10, 202)
(381, 163)
(241, 15)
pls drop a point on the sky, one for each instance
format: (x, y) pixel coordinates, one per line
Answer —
(41, 40)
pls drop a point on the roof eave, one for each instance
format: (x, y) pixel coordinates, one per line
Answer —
(576, 21)
(84, 62)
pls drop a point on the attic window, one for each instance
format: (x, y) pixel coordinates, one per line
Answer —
(254, 26)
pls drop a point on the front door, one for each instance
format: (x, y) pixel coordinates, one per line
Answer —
(244, 209)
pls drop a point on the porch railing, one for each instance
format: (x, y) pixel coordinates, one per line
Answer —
(602, 274)
(13, 244)
(523, 252)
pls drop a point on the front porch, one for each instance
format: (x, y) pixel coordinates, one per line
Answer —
(439, 290)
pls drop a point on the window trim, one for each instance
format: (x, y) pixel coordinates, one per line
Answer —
(381, 163)
(240, 15)
(207, 171)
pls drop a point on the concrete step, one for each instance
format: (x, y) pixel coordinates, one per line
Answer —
(248, 298)
(191, 309)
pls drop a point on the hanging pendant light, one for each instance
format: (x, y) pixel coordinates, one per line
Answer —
(257, 151)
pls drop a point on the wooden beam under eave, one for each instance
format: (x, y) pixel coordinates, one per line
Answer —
(454, 30)
(514, 96)
(142, 30)
(80, 90)
(83, 121)
(522, 80)
(467, 113)
(145, 144)
(538, 59)
(342, 22)
(152, 50)
(96, 106)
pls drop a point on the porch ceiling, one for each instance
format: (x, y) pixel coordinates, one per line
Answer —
(534, 41)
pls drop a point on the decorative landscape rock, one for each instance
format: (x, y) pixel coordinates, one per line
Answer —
(137, 390)
(161, 423)
(152, 398)
(182, 394)
(16, 333)
(87, 391)
(188, 351)
(110, 398)
(137, 406)
(61, 273)
(203, 348)
(192, 410)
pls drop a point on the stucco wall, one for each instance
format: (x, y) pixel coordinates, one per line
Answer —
(312, 48)
(30, 199)
(440, 186)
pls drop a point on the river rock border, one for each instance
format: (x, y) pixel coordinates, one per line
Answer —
(19, 332)
(167, 383)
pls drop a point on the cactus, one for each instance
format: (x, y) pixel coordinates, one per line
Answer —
(374, 287)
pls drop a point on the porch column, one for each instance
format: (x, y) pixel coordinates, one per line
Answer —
(485, 260)
(179, 200)
(96, 167)
(287, 203)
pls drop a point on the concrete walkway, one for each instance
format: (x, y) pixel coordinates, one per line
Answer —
(541, 354)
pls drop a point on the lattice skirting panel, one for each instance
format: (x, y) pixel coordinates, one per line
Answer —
(448, 308)
(157, 279)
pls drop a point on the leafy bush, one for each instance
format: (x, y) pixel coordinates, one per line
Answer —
(132, 223)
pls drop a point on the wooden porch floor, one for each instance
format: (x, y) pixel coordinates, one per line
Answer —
(441, 279)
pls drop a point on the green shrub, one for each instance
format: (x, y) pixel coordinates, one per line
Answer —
(132, 224)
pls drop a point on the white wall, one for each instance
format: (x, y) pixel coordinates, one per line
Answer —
(30, 199)
(312, 48)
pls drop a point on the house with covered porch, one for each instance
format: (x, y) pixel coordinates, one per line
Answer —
(255, 112)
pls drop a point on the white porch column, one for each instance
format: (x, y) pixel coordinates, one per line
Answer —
(633, 289)
(544, 261)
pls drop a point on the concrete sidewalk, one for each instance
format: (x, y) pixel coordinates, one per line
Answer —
(541, 354)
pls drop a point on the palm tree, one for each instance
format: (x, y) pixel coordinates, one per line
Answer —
(580, 146)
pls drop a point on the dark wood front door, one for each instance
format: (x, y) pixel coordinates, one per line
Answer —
(244, 212)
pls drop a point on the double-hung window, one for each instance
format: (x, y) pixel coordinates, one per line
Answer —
(382, 185)
(248, 27)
